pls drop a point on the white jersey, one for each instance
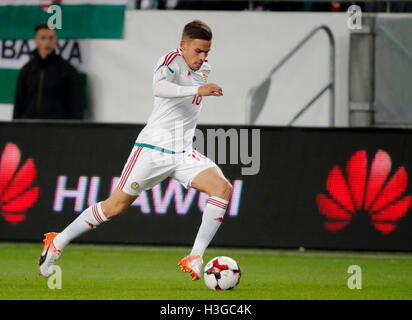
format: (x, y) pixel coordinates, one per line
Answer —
(177, 106)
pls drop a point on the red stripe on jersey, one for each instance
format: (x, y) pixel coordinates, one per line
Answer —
(129, 168)
(166, 58)
(169, 55)
(171, 59)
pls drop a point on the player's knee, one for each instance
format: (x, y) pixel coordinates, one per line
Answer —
(223, 190)
(228, 189)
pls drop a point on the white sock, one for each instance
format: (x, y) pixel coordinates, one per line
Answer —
(211, 221)
(87, 220)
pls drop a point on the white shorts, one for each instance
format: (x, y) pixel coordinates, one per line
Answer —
(147, 167)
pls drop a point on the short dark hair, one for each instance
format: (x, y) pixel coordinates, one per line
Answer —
(197, 30)
(41, 25)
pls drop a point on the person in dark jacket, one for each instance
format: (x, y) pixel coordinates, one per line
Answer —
(48, 86)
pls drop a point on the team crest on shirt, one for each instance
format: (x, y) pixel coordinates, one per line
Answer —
(134, 185)
(204, 76)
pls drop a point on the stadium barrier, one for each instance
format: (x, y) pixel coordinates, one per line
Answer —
(317, 188)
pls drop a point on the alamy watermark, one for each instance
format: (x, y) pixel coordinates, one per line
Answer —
(355, 280)
(354, 21)
(243, 144)
(55, 279)
(55, 20)
(222, 146)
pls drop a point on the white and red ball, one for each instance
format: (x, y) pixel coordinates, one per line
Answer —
(222, 273)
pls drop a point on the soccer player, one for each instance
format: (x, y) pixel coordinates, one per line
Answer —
(164, 149)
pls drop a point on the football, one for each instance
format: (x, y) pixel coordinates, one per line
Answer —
(222, 273)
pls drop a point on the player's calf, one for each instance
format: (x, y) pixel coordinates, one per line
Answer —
(117, 203)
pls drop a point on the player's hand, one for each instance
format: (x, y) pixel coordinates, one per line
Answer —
(210, 89)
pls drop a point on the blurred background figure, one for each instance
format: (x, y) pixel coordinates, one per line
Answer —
(48, 86)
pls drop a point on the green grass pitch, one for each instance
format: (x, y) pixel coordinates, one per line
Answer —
(151, 273)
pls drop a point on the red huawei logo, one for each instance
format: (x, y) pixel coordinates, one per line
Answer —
(374, 192)
(16, 191)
